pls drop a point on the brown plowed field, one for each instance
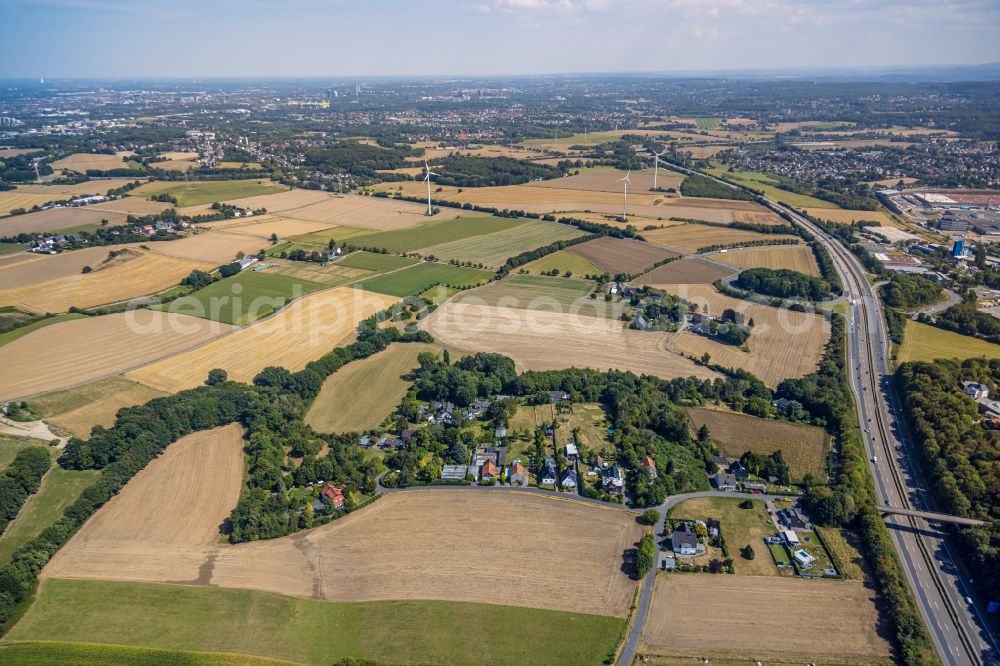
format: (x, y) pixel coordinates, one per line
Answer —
(617, 255)
(303, 331)
(783, 343)
(793, 257)
(687, 270)
(81, 350)
(539, 340)
(764, 618)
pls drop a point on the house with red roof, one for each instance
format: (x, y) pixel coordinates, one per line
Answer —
(335, 494)
(650, 466)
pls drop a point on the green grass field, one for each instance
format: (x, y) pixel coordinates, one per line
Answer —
(494, 249)
(562, 261)
(379, 263)
(739, 527)
(59, 489)
(206, 619)
(769, 185)
(435, 232)
(243, 298)
(707, 123)
(10, 336)
(32, 653)
(413, 280)
(323, 237)
(375, 382)
(10, 446)
(11, 248)
(923, 342)
(588, 139)
(532, 292)
(193, 193)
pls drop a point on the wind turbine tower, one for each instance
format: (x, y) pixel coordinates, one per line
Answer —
(625, 205)
(427, 179)
(656, 167)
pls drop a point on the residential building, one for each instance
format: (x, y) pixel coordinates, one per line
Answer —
(335, 494)
(725, 481)
(793, 519)
(684, 540)
(488, 472)
(650, 466)
(568, 479)
(739, 471)
(517, 474)
(790, 537)
(548, 474)
(571, 451)
(613, 479)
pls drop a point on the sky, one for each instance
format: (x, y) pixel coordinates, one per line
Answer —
(331, 38)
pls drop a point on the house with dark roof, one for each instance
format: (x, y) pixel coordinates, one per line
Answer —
(793, 519)
(724, 481)
(684, 540)
(548, 474)
(568, 479)
(739, 471)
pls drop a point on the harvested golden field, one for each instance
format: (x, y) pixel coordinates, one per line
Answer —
(174, 506)
(177, 161)
(303, 331)
(704, 152)
(610, 181)
(81, 162)
(265, 225)
(137, 273)
(375, 382)
(691, 237)
(363, 212)
(617, 255)
(432, 151)
(794, 257)
(764, 618)
(132, 205)
(803, 447)
(78, 351)
(57, 219)
(526, 197)
(27, 196)
(783, 343)
(282, 200)
(541, 340)
(424, 544)
(79, 409)
(14, 152)
(687, 270)
(851, 216)
(26, 269)
(213, 247)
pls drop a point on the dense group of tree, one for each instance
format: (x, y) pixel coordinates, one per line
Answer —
(20, 480)
(21, 169)
(967, 319)
(783, 283)
(355, 158)
(468, 171)
(910, 291)
(958, 450)
(701, 186)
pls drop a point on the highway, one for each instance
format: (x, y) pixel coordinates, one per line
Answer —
(957, 627)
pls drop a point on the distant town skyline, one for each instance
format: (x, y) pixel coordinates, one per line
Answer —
(261, 38)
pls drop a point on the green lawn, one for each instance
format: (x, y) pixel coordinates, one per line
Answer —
(739, 526)
(435, 232)
(563, 261)
(413, 280)
(176, 617)
(193, 193)
(93, 654)
(923, 342)
(768, 184)
(324, 236)
(494, 249)
(525, 291)
(707, 123)
(10, 336)
(243, 298)
(59, 489)
(10, 446)
(589, 139)
(380, 263)
(11, 248)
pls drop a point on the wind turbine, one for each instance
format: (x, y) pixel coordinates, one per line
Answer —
(427, 179)
(625, 205)
(656, 167)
